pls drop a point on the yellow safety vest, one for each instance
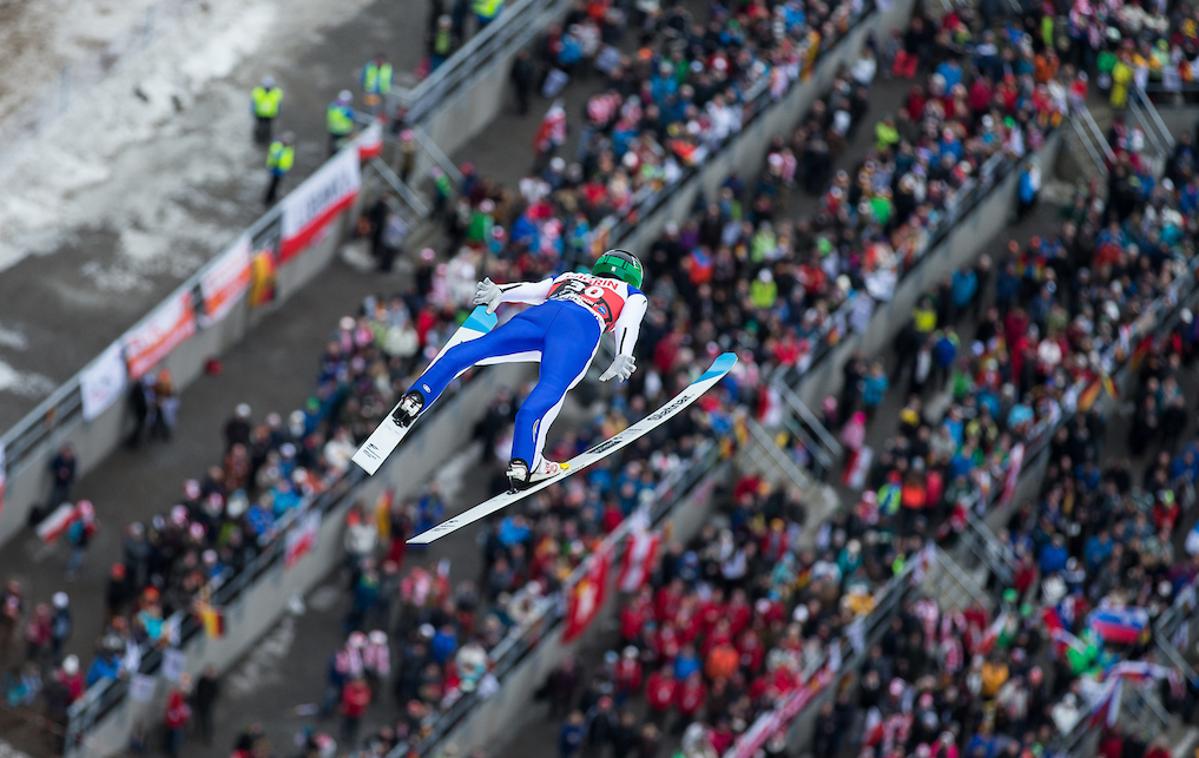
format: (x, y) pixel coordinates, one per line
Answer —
(266, 101)
(338, 121)
(280, 157)
(376, 79)
(926, 320)
(442, 42)
(487, 9)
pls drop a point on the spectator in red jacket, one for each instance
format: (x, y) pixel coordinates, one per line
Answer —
(355, 697)
(628, 675)
(689, 700)
(178, 715)
(660, 692)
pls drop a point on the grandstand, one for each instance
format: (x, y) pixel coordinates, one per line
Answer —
(944, 506)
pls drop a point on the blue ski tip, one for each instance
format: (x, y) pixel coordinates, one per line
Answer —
(722, 365)
(480, 320)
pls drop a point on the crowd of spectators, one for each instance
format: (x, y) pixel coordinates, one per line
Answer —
(699, 265)
(740, 270)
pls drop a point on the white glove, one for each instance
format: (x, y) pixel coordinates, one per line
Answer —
(622, 368)
(487, 293)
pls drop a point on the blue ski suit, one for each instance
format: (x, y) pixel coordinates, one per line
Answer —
(570, 314)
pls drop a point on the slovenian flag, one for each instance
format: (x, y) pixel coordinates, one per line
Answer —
(1121, 626)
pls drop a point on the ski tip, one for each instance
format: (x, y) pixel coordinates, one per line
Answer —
(480, 320)
(722, 365)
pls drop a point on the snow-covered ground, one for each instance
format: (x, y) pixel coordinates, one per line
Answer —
(102, 136)
(125, 151)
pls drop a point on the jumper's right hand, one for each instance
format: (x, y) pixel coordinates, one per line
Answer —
(487, 293)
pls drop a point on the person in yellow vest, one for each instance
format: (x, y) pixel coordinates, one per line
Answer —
(441, 43)
(339, 120)
(1121, 79)
(265, 100)
(924, 317)
(280, 157)
(486, 11)
(376, 80)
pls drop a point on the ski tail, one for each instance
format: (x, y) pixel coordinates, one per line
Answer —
(692, 392)
(387, 436)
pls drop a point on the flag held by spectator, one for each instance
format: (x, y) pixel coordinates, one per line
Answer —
(212, 618)
(586, 597)
(638, 560)
(302, 539)
(1121, 626)
(57, 523)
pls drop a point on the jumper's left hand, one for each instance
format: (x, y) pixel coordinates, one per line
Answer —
(622, 368)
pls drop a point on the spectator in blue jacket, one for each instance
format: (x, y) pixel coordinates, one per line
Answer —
(570, 739)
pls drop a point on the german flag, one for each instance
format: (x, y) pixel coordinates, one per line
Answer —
(1087, 399)
(1109, 387)
(212, 619)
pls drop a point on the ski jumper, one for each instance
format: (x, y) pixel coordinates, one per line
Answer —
(570, 314)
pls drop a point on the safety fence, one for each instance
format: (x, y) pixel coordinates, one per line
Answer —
(103, 698)
(514, 28)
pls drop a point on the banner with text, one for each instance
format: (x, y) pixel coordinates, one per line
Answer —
(225, 282)
(103, 382)
(167, 327)
(310, 209)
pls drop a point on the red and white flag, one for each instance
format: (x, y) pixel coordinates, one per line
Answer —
(587, 597)
(57, 523)
(302, 539)
(638, 561)
(370, 141)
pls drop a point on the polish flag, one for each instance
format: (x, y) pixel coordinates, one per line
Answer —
(370, 141)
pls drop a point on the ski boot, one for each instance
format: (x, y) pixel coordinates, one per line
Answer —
(407, 410)
(521, 478)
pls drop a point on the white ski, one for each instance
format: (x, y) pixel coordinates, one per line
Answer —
(717, 371)
(388, 435)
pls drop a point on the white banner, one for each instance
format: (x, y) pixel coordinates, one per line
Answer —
(174, 664)
(225, 282)
(141, 688)
(103, 382)
(308, 210)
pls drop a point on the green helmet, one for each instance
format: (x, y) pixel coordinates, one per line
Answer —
(619, 264)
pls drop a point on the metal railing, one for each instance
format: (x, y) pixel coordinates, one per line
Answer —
(776, 456)
(514, 28)
(1157, 134)
(802, 421)
(1090, 137)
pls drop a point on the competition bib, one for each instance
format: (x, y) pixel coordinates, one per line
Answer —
(598, 295)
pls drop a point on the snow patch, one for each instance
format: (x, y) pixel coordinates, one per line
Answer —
(24, 383)
(12, 338)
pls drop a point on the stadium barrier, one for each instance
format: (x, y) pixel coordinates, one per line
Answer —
(102, 720)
